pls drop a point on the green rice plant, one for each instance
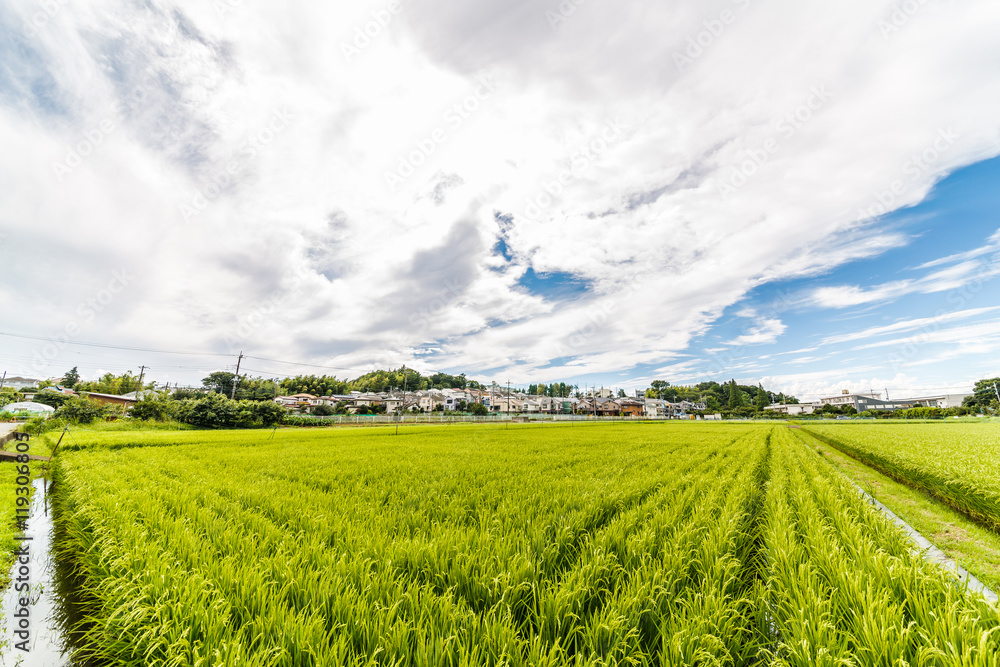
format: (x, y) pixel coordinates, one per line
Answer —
(609, 544)
(956, 463)
(846, 587)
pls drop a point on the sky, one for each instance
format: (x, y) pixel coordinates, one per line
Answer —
(798, 194)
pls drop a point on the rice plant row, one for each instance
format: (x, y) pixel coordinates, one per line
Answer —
(623, 544)
(845, 586)
(957, 463)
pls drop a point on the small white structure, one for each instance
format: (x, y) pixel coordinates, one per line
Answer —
(28, 406)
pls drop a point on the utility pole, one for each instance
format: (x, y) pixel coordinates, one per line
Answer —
(402, 408)
(886, 393)
(142, 371)
(3, 379)
(508, 404)
(237, 376)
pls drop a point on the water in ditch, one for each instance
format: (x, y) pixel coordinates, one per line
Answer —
(45, 643)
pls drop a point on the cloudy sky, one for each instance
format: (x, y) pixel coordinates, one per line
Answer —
(799, 193)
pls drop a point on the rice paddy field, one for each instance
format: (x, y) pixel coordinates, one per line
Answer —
(598, 544)
(956, 463)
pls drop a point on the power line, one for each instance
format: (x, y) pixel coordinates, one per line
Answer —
(299, 363)
(116, 347)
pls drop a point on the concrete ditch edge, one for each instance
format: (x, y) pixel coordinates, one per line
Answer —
(930, 552)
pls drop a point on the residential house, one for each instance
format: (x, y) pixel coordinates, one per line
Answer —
(430, 400)
(506, 404)
(608, 407)
(304, 402)
(109, 399)
(656, 408)
(18, 382)
(631, 407)
(529, 405)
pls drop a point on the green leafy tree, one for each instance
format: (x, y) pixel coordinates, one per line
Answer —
(762, 399)
(71, 378)
(268, 413)
(51, 398)
(735, 397)
(109, 383)
(83, 411)
(983, 394)
(658, 388)
(10, 395)
(154, 407)
(317, 385)
(478, 409)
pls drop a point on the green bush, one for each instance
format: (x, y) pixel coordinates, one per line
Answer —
(268, 413)
(154, 407)
(217, 411)
(52, 399)
(82, 411)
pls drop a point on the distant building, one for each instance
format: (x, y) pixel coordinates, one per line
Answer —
(17, 382)
(860, 402)
(108, 399)
(942, 401)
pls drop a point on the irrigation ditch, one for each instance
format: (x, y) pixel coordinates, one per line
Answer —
(929, 551)
(37, 604)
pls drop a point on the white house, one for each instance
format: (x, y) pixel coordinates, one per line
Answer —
(18, 382)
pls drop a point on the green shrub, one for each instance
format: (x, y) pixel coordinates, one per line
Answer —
(82, 411)
(217, 411)
(154, 407)
(52, 399)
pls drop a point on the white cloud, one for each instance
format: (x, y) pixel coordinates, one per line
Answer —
(968, 270)
(357, 273)
(907, 325)
(814, 385)
(932, 334)
(767, 331)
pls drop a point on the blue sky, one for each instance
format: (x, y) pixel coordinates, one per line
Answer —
(805, 200)
(924, 314)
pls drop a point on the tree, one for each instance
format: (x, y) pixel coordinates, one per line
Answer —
(735, 396)
(220, 382)
(154, 407)
(478, 409)
(621, 393)
(109, 383)
(82, 411)
(659, 388)
(71, 378)
(10, 395)
(984, 394)
(51, 398)
(762, 400)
